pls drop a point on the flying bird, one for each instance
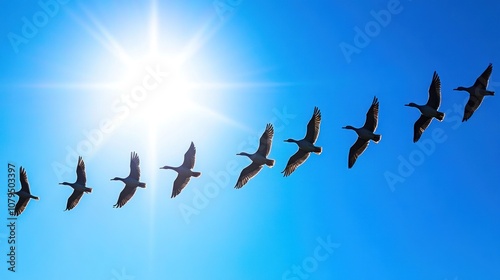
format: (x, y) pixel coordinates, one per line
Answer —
(131, 182)
(306, 145)
(184, 172)
(429, 110)
(24, 193)
(79, 187)
(477, 92)
(365, 133)
(259, 158)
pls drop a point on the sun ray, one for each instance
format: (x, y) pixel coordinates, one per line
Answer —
(153, 28)
(100, 34)
(76, 86)
(175, 94)
(247, 85)
(202, 36)
(218, 116)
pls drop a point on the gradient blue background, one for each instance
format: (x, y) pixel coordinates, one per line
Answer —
(439, 222)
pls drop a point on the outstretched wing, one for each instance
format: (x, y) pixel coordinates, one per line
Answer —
(125, 195)
(179, 184)
(313, 126)
(471, 106)
(420, 125)
(135, 171)
(247, 173)
(21, 205)
(73, 199)
(189, 157)
(372, 116)
(266, 140)
(23, 177)
(435, 92)
(81, 177)
(356, 150)
(295, 161)
(482, 81)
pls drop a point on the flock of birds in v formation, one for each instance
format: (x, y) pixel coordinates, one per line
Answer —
(259, 158)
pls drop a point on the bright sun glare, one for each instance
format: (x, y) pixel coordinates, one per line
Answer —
(161, 86)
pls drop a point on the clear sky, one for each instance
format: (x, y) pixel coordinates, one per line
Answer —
(100, 79)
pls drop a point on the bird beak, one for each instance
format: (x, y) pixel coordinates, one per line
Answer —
(407, 104)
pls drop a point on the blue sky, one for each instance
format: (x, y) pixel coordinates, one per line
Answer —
(218, 72)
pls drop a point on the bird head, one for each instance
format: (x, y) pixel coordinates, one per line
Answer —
(348, 127)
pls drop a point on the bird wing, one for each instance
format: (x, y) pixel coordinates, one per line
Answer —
(73, 199)
(420, 125)
(482, 81)
(135, 170)
(179, 184)
(356, 150)
(372, 116)
(21, 205)
(435, 92)
(246, 174)
(471, 106)
(313, 126)
(266, 140)
(25, 186)
(189, 157)
(125, 195)
(81, 177)
(295, 161)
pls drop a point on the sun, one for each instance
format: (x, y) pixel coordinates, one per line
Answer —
(159, 84)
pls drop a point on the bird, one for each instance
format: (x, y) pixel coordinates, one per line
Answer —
(477, 92)
(131, 182)
(306, 145)
(429, 110)
(24, 193)
(79, 187)
(259, 158)
(365, 133)
(184, 172)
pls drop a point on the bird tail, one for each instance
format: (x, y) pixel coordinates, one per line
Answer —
(89, 190)
(142, 185)
(196, 174)
(376, 138)
(489, 92)
(270, 162)
(440, 116)
(318, 150)
(35, 197)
